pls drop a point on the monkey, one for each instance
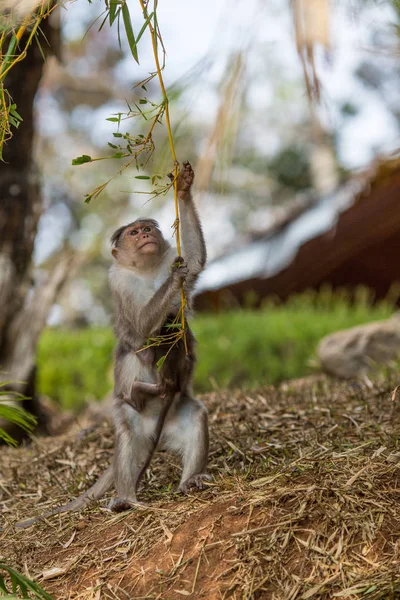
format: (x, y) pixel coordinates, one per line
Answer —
(145, 283)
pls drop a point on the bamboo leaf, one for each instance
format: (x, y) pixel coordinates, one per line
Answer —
(23, 583)
(129, 31)
(10, 441)
(40, 47)
(113, 10)
(141, 32)
(13, 111)
(80, 160)
(3, 585)
(142, 177)
(160, 362)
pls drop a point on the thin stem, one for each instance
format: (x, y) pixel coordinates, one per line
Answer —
(171, 145)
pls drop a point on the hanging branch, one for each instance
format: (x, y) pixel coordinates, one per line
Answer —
(139, 149)
(9, 116)
(176, 226)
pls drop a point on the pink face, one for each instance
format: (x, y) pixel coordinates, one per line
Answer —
(141, 239)
(144, 237)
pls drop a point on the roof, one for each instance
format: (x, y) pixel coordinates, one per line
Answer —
(266, 257)
(366, 207)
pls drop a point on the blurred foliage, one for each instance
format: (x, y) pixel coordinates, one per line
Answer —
(291, 167)
(75, 366)
(14, 585)
(240, 347)
(12, 413)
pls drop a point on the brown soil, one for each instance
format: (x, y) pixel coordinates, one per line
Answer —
(304, 504)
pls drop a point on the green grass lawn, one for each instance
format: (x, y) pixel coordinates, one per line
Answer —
(235, 348)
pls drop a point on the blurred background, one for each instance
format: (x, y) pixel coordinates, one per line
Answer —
(289, 113)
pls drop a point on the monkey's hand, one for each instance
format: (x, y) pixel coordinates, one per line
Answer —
(179, 270)
(185, 181)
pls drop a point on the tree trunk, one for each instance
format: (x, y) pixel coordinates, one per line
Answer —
(22, 315)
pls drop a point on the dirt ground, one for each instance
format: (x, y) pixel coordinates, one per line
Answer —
(304, 503)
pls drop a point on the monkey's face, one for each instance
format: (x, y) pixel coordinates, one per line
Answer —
(140, 240)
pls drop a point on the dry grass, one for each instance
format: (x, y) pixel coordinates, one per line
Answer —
(304, 504)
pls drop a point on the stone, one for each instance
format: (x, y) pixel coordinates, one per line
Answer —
(353, 352)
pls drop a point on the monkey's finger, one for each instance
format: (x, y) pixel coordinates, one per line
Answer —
(170, 176)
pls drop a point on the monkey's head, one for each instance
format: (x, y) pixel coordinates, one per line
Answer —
(140, 242)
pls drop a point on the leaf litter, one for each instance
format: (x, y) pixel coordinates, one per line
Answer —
(304, 504)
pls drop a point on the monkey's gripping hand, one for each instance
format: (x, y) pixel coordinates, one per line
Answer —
(179, 270)
(185, 181)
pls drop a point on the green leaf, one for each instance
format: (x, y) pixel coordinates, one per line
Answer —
(18, 416)
(113, 10)
(117, 134)
(102, 23)
(113, 119)
(3, 585)
(10, 441)
(80, 160)
(142, 177)
(155, 28)
(40, 47)
(23, 583)
(173, 326)
(141, 32)
(142, 101)
(14, 112)
(160, 362)
(129, 31)
(112, 145)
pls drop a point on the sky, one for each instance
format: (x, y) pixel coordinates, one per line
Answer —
(213, 29)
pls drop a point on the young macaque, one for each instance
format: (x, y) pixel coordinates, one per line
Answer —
(145, 281)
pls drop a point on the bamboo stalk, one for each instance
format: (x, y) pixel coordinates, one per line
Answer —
(172, 148)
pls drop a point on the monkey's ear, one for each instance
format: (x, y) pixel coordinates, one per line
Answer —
(114, 252)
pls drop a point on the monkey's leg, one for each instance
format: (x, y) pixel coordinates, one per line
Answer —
(187, 433)
(132, 445)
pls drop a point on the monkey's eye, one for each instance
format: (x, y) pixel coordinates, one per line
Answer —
(133, 232)
(146, 229)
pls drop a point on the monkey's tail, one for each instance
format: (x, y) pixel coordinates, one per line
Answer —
(102, 485)
(169, 398)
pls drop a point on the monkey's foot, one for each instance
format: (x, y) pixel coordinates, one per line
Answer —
(185, 179)
(122, 504)
(195, 482)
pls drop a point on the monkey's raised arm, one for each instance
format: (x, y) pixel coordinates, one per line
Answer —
(194, 248)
